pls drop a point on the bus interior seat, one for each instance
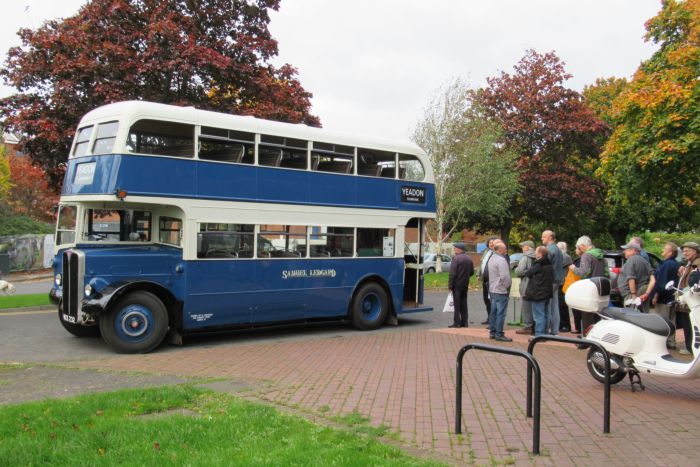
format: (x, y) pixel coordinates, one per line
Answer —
(177, 151)
(292, 162)
(373, 170)
(387, 172)
(224, 155)
(270, 157)
(338, 166)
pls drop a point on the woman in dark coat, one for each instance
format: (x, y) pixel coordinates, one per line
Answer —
(539, 289)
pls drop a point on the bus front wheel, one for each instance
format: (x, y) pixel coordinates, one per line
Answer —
(137, 323)
(370, 307)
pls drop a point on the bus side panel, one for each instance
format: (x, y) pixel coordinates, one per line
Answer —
(336, 190)
(282, 185)
(227, 181)
(378, 193)
(279, 299)
(219, 293)
(331, 296)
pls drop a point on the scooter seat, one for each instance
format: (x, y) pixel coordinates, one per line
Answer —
(653, 323)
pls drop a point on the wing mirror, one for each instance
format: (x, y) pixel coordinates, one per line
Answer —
(670, 285)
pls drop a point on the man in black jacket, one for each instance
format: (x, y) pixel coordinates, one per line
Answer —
(461, 270)
(539, 289)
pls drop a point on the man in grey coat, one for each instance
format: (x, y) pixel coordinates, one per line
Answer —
(499, 288)
(524, 264)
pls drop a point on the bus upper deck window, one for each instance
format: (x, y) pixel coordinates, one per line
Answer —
(106, 135)
(218, 144)
(410, 168)
(336, 158)
(376, 163)
(161, 138)
(81, 141)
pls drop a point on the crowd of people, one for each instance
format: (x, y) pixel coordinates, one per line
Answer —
(546, 271)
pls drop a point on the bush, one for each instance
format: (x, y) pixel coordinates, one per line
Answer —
(21, 225)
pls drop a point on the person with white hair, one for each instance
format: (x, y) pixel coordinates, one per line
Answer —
(592, 264)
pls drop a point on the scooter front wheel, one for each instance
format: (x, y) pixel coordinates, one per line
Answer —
(596, 366)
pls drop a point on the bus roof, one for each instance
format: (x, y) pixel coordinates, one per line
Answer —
(130, 111)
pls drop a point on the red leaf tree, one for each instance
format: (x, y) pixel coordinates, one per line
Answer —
(213, 54)
(30, 194)
(556, 135)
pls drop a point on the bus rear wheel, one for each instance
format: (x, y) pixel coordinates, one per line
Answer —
(370, 307)
(137, 323)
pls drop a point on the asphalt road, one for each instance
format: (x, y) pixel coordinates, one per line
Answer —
(39, 337)
(28, 288)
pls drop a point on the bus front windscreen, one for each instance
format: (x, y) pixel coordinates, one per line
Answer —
(117, 225)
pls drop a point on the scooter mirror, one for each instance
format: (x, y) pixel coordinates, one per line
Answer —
(669, 286)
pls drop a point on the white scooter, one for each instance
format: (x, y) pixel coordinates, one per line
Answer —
(636, 342)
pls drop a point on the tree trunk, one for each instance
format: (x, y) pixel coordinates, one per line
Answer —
(620, 236)
(505, 230)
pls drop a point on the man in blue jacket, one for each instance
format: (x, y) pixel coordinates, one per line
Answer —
(661, 298)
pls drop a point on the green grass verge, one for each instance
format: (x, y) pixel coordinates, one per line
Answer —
(438, 280)
(213, 429)
(21, 301)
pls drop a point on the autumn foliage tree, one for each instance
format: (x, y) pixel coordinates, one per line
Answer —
(30, 193)
(555, 135)
(213, 54)
(651, 163)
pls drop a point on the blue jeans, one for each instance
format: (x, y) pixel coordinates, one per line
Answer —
(539, 314)
(497, 317)
(553, 311)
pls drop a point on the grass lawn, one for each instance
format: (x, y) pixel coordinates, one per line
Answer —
(19, 301)
(178, 425)
(438, 280)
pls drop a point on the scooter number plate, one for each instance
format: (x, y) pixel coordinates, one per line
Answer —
(70, 319)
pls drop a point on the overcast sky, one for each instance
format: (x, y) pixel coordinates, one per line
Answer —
(372, 65)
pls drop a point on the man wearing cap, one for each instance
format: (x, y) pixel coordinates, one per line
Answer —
(524, 264)
(634, 278)
(461, 269)
(689, 275)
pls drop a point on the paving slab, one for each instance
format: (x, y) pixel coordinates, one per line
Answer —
(405, 380)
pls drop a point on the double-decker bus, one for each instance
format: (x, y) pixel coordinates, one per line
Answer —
(174, 220)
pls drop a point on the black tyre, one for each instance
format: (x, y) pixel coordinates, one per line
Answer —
(431, 270)
(79, 330)
(598, 371)
(370, 307)
(137, 323)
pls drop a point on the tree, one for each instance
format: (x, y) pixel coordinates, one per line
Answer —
(651, 163)
(474, 175)
(213, 54)
(5, 178)
(555, 135)
(30, 194)
(609, 217)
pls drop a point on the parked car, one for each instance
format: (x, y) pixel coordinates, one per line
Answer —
(429, 262)
(515, 259)
(615, 260)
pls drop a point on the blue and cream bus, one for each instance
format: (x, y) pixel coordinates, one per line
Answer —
(174, 220)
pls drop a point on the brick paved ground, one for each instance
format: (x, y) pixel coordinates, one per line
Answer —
(405, 380)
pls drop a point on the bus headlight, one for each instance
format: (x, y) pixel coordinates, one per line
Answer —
(59, 280)
(88, 290)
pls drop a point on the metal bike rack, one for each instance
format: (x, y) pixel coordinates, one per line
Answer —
(531, 366)
(570, 340)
